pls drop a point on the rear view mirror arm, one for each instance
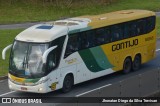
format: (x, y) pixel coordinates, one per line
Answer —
(45, 55)
(5, 50)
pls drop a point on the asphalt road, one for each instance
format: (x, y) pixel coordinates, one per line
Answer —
(83, 87)
(158, 14)
(18, 26)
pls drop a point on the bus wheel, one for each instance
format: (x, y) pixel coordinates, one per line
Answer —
(136, 63)
(67, 83)
(127, 65)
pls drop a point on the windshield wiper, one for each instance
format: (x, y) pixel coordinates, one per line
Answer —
(24, 63)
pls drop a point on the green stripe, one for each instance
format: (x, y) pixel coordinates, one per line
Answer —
(101, 58)
(89, 60)
(32, 80)
(79, 30)
(74, 31)
(85, 29)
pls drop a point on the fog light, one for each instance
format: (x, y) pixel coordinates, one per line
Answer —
(40, 89)
(10, 86)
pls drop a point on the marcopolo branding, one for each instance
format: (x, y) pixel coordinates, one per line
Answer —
(124, 45)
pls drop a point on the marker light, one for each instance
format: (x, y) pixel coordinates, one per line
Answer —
(10, 86)
(40, 89)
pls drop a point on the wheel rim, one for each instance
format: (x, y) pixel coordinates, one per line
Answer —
(68, 83)
(136, 62)
(127, 66)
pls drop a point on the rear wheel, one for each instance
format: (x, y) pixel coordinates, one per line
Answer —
(127, 65)
(67, 83)
(136, 63)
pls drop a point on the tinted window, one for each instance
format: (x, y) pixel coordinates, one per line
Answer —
(54, 56)
(150, 23)
(127, 31)
(101, 36)
(72, 45)
(132, 29)
(91, 40)
(141, 26)
(83, 41)
(108, 35)
(117, 32)
(52, 59)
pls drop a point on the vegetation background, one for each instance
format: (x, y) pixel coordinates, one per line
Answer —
(17, 11)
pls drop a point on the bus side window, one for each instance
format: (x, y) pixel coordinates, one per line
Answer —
(133, 31)
(90, 38)
(101, 36)
(150, 23)
(54, 56)
(108, 35)
(141, 27)
(52, 59)
(72, 45)
(117, 32)
(127, 31)
(83, 41)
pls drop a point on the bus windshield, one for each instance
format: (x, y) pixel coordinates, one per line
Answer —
(26, 59)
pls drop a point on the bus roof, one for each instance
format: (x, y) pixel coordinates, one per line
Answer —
(47, 32)
(117, 17)
(50, 31)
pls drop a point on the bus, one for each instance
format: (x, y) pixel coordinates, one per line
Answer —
(60, 54)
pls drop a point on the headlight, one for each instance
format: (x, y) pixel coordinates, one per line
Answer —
(40, 89)
(10, 86)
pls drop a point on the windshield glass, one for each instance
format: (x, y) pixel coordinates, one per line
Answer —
(26, 59)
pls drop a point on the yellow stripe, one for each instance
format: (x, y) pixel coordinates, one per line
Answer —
(21, 80)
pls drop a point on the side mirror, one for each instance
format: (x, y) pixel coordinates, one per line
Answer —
(45, 55)
(5, 50)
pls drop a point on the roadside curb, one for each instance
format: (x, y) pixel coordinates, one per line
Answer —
(3, 77)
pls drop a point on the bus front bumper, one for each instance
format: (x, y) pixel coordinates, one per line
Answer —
(40, 88)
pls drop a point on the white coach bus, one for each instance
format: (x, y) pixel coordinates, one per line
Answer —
(51, 56)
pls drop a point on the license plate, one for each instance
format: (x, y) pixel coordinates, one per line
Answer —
(24, 88)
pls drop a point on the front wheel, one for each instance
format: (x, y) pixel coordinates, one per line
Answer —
(127, 65)
(67, 83)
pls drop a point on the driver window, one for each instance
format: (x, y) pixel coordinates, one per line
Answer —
(54, 56)
(52, 60)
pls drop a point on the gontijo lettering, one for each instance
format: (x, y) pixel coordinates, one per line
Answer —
(124, 45)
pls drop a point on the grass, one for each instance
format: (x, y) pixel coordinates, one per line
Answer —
(6, 38)
(18, 11)
(158, 27)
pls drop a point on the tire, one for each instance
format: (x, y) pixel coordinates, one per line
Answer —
(67, 83)
(127, 65)
(136, 63)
